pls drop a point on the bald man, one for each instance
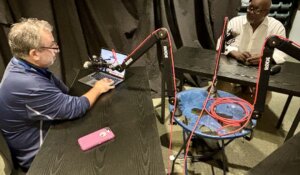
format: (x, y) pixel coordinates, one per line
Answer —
(252, 31)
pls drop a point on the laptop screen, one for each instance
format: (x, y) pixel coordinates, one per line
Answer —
(107, 55)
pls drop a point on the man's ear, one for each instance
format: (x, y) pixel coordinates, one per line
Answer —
(34, 54)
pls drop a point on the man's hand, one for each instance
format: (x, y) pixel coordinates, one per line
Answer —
(104, 85)
(240, 56)
(99, 88)
(253, 60)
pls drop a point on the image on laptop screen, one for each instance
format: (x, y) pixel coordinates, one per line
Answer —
(107, 55)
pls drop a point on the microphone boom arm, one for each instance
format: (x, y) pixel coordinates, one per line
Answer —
(271, 43)
(153, 39)
(161, 35)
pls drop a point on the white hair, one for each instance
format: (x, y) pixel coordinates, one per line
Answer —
(26, 35)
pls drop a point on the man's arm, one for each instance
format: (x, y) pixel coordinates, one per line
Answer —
(100, 87)
(48, 102)
(278, 56)
(235, 25)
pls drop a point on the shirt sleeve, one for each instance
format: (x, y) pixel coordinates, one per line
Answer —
(48, 102)
(60, 84)
(233, 44)
(279, 56)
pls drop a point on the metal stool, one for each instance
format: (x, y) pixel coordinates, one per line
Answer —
(191, 101)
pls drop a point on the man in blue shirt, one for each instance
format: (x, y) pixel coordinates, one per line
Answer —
(31, 97)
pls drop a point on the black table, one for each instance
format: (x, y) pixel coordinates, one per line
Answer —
(202, 62)
(284, 160)
(128, 111)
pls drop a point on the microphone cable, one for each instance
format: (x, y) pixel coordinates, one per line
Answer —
(175, 102)
(175, 90)
(174, 83)
(218, 101)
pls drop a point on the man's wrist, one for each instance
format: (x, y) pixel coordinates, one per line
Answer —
(96, 91)
(232, 54)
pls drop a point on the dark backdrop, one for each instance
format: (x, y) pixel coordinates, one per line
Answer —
(82, 27)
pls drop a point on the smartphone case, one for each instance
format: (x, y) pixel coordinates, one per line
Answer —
(95, 138)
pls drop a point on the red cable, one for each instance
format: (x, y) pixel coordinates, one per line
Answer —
(175, 101)
(115, 56)
(208, 95)
(174, 84)
(231, 122)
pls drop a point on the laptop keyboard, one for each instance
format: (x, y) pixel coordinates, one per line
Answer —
(100, 75)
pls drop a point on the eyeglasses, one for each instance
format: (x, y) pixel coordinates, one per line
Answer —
(255, 10)
(53, 47)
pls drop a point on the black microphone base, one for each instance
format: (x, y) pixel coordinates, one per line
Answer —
(178, 112)
(256, 115)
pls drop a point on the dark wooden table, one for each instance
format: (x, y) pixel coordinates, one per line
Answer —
(128, 111)
(284, 160)
(202, 62)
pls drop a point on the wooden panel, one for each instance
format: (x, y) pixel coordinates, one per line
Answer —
(284, 160)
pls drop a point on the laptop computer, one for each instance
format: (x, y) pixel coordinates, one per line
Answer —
(118, 77)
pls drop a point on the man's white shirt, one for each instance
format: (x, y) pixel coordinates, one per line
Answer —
(253, 42)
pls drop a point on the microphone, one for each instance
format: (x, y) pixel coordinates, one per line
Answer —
(87, 65)
(118, 68)
(96, 63)
(230, 35)
(228, 39)
(93, 64)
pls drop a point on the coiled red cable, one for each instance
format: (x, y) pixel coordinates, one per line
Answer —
(242, 122)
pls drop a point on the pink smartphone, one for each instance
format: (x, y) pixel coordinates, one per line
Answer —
(95, 138)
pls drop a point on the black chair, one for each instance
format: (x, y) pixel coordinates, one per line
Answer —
(9, 167)
(6, 156)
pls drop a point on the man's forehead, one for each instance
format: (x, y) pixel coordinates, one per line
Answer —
(46, 37)
(261, 3)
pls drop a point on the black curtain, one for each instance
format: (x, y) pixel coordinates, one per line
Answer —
(195, 23)
(5, 21)
(83, 27)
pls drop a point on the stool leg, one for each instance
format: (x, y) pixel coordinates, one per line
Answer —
(294, 126)
(173, 164)
(163, 86)
(287, 103)
(184, 151)
(181, 79)
(182, 148)
(224, 158)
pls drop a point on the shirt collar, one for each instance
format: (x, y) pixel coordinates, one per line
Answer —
(27, 65)
(265, 21)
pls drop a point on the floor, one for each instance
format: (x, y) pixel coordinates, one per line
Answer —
(242, 155)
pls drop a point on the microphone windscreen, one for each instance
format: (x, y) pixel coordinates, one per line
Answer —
(87, 64)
